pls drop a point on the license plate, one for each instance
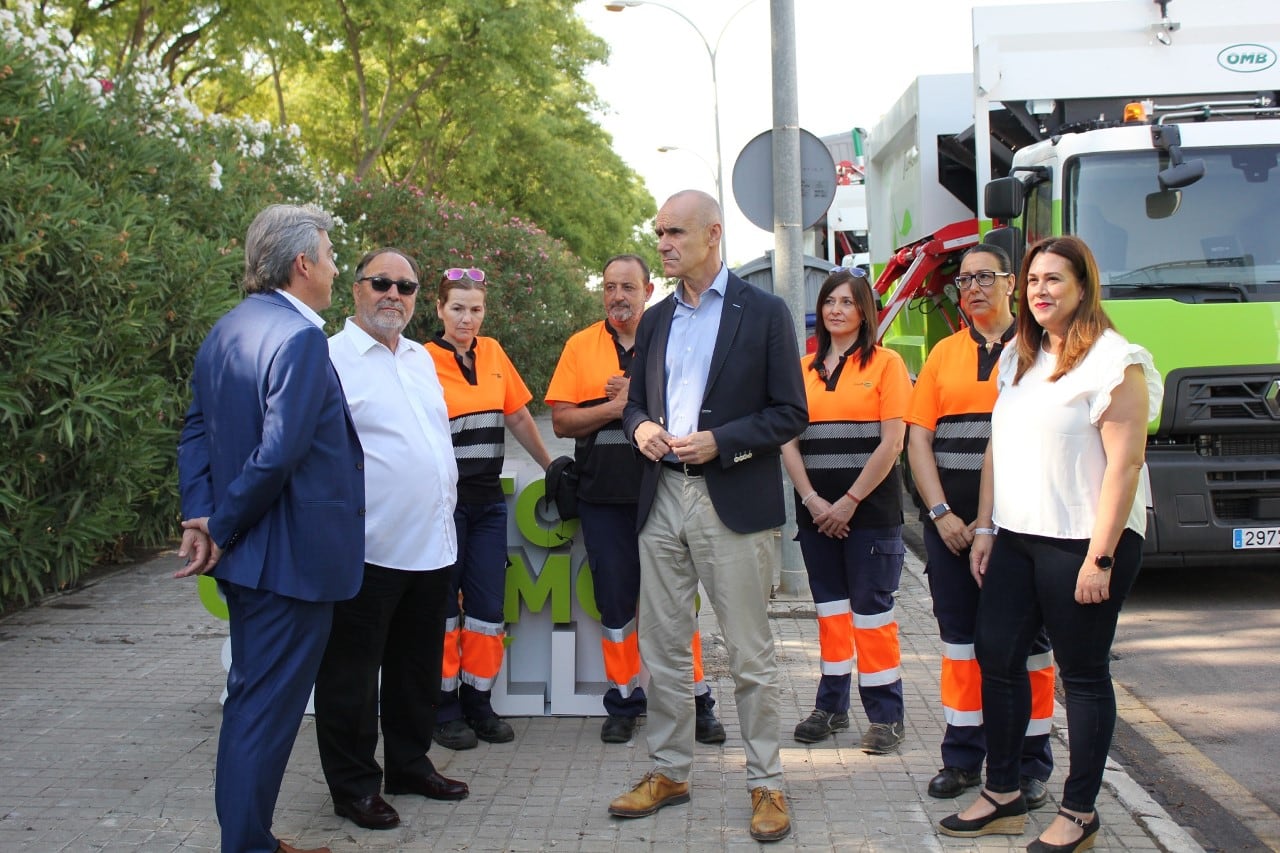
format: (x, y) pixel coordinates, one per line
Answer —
(1255, 537)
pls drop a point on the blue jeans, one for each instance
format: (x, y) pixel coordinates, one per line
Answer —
(1030, 583)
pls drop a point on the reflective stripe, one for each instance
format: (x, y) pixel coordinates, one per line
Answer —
(618, 635)
(841, 430)
(958, 651)
(489, 629)
(611, 436)
(953, 429)
(1039, 727)
(832, 608)
(881, 678)
(870, 621)
(479, 420)
(1042, 661)
(478, 451)
(828, 461)
(451, 662)
(842, 667)
(962, 718)
(958, 461)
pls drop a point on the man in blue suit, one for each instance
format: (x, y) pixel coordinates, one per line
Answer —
(715, 393)
(271, 473)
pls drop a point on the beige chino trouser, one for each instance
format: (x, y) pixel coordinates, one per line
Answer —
(683, 542)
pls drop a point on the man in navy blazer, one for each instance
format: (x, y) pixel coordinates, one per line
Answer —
(718, 393)
(271, 474)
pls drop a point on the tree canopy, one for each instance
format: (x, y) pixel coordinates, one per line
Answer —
(477, 100)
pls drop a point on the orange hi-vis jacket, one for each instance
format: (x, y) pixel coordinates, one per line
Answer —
(953, 397)
(609, 469)
(845, 411)
(478, 401)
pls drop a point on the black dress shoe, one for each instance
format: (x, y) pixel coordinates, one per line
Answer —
(433, 786)
(952, 782)
(371, 812)
(617, 729)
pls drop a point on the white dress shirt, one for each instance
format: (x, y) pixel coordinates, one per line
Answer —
(303, 308)
(410, 476)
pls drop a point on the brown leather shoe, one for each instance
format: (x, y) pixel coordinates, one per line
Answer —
(281, 847)
(769, 818)
(653, 792)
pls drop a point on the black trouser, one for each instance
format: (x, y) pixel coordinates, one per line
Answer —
(396, 623)
(1030, 582)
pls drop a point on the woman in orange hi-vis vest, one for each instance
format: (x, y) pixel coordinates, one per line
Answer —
(950, 423)
(848, 483)
(484, 394)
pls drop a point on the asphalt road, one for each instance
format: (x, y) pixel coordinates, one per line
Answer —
(1197, 672)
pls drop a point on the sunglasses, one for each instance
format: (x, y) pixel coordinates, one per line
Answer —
(381, 284)
(856, 272)
(457, 274)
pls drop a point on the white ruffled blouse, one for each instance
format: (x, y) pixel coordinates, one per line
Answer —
(1047, 448)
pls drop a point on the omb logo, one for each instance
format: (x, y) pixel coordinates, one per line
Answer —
(1246, 58)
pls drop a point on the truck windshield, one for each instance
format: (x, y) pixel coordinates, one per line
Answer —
(1222, 232)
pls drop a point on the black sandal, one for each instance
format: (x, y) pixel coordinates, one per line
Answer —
(1084, 842)
(1008, 819)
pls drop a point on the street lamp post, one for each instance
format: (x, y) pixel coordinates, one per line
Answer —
(622, 5)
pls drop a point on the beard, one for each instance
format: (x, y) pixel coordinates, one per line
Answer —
(621, 313)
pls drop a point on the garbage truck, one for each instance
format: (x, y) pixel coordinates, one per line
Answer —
(1151, 130)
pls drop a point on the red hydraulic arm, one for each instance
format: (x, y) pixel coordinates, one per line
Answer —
(916, 263)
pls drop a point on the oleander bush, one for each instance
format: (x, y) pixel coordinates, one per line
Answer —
(535, 296)
(121, 211)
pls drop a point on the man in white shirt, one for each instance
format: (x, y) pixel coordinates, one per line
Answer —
(396, 622)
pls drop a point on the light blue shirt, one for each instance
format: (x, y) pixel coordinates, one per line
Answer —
(690, 343)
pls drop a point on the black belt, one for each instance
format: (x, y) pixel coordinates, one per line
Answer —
(684, 468)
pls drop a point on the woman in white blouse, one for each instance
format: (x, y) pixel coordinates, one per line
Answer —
(1063, 485)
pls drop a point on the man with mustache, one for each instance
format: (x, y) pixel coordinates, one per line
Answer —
(396, 622)
(586, 396)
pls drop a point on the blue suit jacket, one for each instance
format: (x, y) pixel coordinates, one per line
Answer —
(269, 452)
(753, 404)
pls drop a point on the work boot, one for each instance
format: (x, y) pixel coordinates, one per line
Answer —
(883, 738)
(493, 729)
(820, 726)
(707, 729)
(455, 734)
(617, 729)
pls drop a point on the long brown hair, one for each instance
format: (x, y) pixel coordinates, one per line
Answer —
(860, 285)
(1087, 323)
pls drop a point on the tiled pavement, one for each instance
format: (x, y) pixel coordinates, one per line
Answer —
(108, 730)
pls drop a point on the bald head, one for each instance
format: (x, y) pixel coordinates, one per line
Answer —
(702, 206)
(688, 228)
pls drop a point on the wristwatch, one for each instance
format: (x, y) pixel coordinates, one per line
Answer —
(1104, 562)
(937, 512)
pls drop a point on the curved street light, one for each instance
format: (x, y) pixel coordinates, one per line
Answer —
(667, 149)
(623, 5)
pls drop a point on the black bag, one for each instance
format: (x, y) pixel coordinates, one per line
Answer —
(561, 487)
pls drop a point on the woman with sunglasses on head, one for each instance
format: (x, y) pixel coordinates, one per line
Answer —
(484, 393)
(848, 483)
(1062, 484)
(950, 423)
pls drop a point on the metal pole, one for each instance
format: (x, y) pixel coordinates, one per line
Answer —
(788, 235)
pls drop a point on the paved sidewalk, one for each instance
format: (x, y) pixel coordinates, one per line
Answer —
(108, 730)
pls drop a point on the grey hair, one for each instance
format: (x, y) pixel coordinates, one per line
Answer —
(279, 234)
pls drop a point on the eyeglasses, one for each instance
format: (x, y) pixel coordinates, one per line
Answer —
(984, 279)
(381, 284)
(457, 274)
(856, 272)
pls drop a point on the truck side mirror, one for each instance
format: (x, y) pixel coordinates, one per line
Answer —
(1010, 239)
(1163, 204)
(1004, 198)
(1181, 174)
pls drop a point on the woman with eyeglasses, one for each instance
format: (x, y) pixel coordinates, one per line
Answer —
(848, 497)
(484, 393)
(950, 423)
(1061, 515)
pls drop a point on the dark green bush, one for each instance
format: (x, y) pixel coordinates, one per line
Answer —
(118, 250)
